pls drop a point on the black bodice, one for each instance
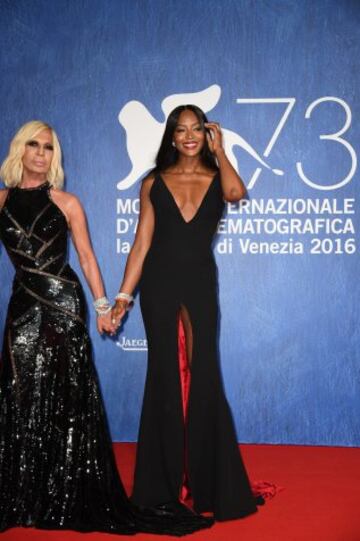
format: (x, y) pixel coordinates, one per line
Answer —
(34, 230)
(176, 239)
(35, 234)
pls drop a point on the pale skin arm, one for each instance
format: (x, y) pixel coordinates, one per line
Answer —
(232, 185)
(140, 247)
(3, 196)
(72, 209)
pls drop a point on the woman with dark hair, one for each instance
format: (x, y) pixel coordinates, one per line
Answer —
(57, 468)
(187, 443)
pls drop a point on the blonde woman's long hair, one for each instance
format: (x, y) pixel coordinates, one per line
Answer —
(11, 170)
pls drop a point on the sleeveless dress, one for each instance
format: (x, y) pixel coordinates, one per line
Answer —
(57, 468)
(193, 444)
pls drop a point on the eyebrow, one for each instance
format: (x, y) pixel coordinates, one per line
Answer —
(38, 142)
(192, 125)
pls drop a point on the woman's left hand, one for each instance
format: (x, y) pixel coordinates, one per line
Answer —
(215, 139)
(104, 324)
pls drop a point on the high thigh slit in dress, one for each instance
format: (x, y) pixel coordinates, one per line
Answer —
(197, 445)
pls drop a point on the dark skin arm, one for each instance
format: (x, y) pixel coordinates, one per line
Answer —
(232, 185)
(138, 251)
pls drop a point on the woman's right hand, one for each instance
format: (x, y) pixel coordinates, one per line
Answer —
(104, 324)
(118, 311)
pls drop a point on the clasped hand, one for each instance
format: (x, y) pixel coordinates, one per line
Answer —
(111, 321)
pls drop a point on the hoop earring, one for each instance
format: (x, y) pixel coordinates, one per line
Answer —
(173, 144)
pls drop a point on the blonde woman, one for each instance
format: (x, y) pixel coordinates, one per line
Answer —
(57, 469)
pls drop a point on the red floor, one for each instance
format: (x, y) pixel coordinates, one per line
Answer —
(320, 500)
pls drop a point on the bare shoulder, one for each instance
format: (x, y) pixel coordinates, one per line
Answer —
(3, 196)
(146, 183)
(65, 199)
(149, 179)
(68, 203)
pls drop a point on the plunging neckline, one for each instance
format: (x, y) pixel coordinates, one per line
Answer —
(201, 202)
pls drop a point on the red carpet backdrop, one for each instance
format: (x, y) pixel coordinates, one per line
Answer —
(282, 78)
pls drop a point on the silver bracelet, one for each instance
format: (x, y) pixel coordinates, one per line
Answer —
(125, 297)
(102, 306)
(101, 301)
(103, 310)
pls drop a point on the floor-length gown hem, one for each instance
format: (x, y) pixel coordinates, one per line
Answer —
(57, 468)
(179, 271)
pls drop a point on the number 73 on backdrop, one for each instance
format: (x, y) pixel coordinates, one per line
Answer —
(335, 136)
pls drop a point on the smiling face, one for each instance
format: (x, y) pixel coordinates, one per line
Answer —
(38, 155)
(189, 134)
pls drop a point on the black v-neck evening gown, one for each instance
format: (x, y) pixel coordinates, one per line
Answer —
(180, 271)
(57, 469)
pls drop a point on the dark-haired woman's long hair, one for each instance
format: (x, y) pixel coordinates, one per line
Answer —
(168, 154)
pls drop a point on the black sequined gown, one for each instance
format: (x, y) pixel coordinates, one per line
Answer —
(57, 468)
